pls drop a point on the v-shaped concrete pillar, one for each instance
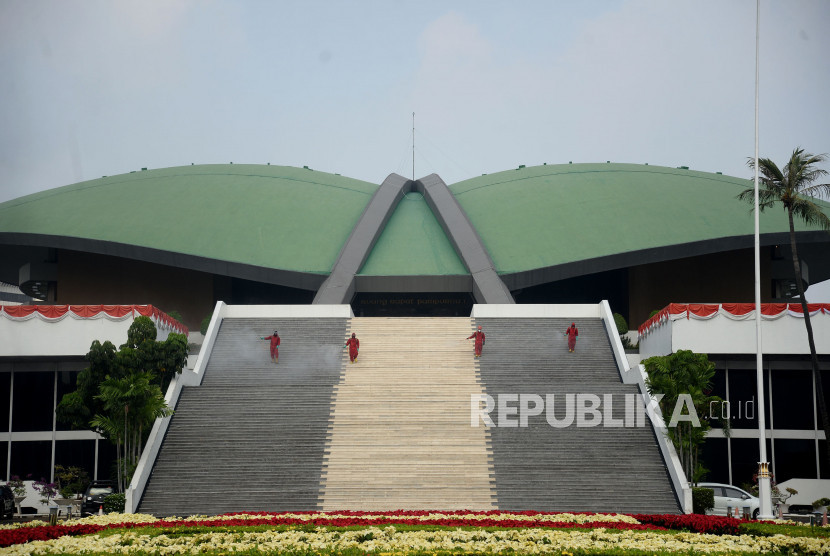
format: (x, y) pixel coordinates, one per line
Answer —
(339, 287)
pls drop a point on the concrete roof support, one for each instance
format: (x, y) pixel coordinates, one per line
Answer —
(339, 287)
(488, 287)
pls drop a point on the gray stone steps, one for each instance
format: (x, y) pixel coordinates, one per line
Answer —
(252, 436)
(568, 469)
(393, 431)
(401, 435)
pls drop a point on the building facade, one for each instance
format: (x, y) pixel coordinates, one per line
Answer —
(795, 438)
(41, 355)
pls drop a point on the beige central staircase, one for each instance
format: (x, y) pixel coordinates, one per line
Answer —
(399, 432)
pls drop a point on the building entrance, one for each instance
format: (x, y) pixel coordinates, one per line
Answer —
(453, 304)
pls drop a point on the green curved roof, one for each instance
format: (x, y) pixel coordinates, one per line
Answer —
(545, 216)
(297, 220)
(413, 244)
(270, 216)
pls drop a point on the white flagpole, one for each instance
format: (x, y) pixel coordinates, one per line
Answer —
(764, 486)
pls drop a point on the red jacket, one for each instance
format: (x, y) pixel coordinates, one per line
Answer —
(479, 336)
(354, 345)
(571, 332)
(275, 341)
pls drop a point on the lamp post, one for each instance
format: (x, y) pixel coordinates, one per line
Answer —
(764, 485)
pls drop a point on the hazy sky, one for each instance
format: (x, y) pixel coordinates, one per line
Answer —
(92, 88)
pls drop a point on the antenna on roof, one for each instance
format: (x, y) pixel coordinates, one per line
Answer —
(413, 146)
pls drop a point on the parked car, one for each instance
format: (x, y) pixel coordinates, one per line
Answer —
(728, 496)
(7, 508)
(94, 497)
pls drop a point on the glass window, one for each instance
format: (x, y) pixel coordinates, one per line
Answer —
(715, 410)
(791, 395)
(715, 458)
(745, 460)
(5, 397)
(107, 465)
(67, 382)
(822, 459)
(4, 460)
(34, 400)
(719, 384)
(825, 383)
(794, 459)
(732, 492)
(33, 458)
(743, 398)
(76, 453)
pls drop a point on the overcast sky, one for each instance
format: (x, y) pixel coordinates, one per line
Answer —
(93, 88)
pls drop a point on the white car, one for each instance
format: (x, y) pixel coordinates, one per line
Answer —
(728, 496)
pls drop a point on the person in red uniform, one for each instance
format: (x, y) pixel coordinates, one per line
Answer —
(275, 342)
(354, 345)
(572, 333)
(479, 338)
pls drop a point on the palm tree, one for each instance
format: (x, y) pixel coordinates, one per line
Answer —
(131, 404)
(795, 188)
(690, 374)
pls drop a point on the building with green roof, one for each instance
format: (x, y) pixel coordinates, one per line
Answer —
(182, 238)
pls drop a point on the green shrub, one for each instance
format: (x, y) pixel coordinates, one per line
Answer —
(71, 480)
(821, 502)
(205, 323)
(622, 325)
(703, 499)
(654, 312)
(627, 344)
(175, 315)
(114, 503)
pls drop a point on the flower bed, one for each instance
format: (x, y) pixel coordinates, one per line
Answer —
(402, 532)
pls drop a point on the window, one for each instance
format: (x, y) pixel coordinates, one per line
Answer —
(716, 410)
(743, 399)
(32, 457)
(107, 461)
(714, 457)
(791, 393)
(745, 460)
(5, 397)
(732, 492)
(77, 453)
(794, 459)
(4, 460)
(67, 381)
(34, 399)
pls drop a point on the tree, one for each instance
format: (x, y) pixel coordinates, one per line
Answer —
(161, 358)
(794, 188)
(121, 392)
(77, 408)
(131, 404)
(685, 373)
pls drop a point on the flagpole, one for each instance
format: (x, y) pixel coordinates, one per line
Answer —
(413, 146)
(764, 485)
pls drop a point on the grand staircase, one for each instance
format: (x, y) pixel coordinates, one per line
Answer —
(597, 468)
(252, 436)
(393, 430)
(400, 429)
